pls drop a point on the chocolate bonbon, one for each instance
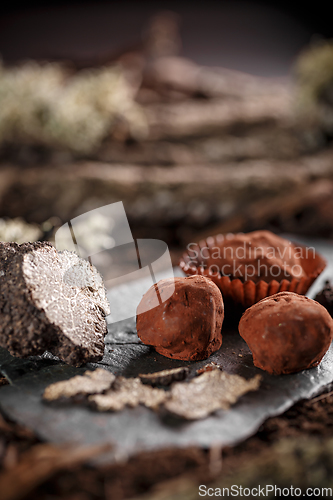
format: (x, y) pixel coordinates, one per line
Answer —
(286, 333)
(187, 325)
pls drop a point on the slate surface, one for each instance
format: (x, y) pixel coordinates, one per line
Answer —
(134, 430)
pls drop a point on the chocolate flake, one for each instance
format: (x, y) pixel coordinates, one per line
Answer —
(91, 382)
(51, 301)
(207, 393)
(128, 392)
(164, 377)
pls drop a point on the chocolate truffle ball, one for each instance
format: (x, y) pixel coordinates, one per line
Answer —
(187, 325)
(259, 255)
(286, 332)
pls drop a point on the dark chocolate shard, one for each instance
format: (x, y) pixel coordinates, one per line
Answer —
(207, 393)
(3, 381)
(51, 301)
(325, 297)
(164, 377)
(91, 382)
(128, 392)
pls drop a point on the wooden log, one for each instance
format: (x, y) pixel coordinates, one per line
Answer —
(190, 198)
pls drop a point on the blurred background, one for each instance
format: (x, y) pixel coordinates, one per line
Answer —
(200, 117)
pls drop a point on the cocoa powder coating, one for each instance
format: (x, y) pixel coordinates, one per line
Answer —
(286, 332)
(188, 324)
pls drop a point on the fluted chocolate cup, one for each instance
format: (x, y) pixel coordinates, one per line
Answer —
(244, 292)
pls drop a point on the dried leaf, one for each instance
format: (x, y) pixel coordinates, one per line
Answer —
(211, 391)
(91, 382)
(128, 392)
(164, 377)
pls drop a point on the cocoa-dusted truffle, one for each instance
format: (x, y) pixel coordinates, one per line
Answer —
(259, 255)
(286, 332)
(51, 301)
(188, 324)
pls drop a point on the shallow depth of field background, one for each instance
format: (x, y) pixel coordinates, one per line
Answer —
(197, 120)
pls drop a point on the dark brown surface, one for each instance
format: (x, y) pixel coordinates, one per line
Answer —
(286, 333)
(188, 324)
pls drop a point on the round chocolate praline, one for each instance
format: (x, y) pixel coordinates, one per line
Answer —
(286, 333)
(188, 324)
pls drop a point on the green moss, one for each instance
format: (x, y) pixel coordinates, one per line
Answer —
(44, 105)
(314, 67)
(314, 85)
(19, 231)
